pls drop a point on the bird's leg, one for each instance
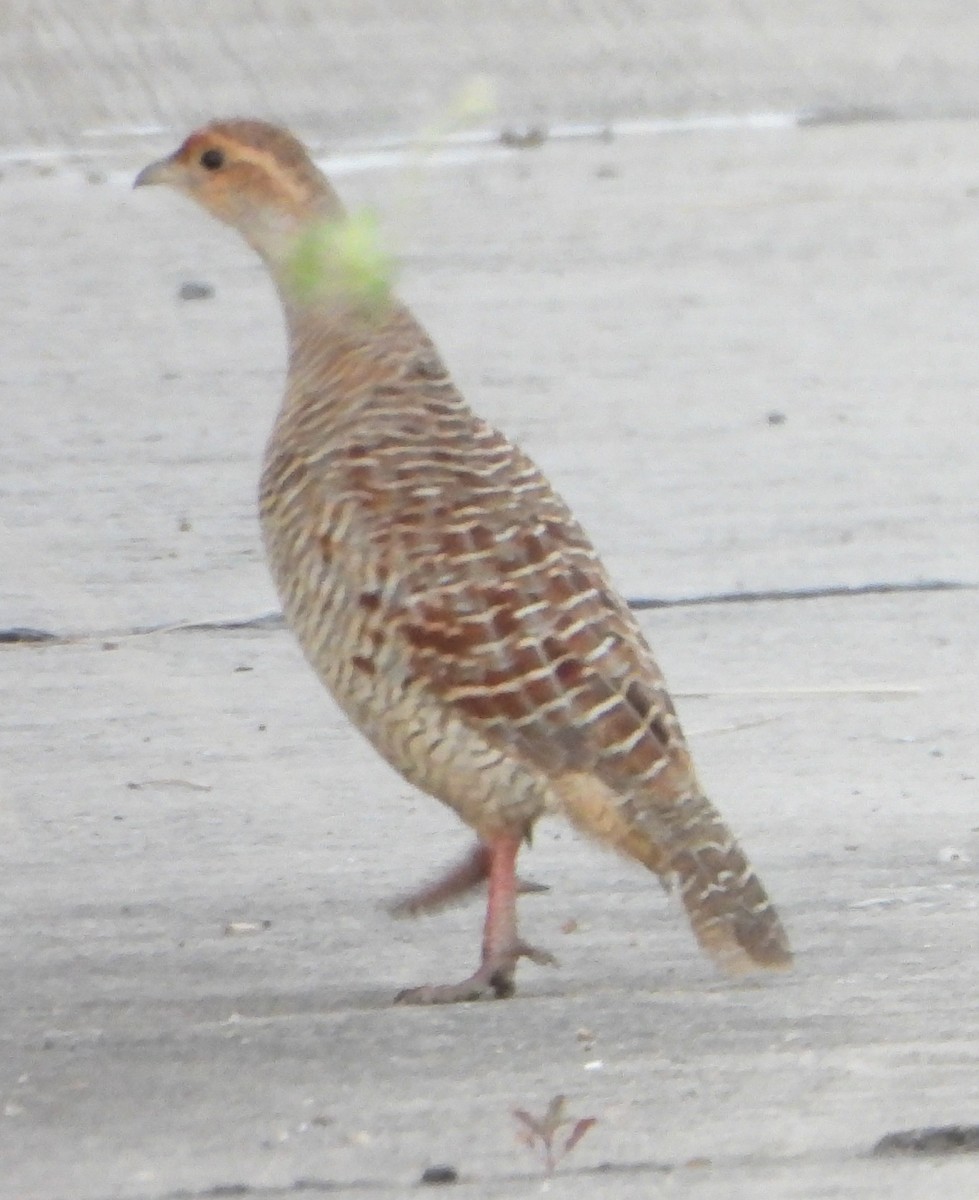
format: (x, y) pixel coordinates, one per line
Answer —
(459, 879)
(502, 946)
(465, 875)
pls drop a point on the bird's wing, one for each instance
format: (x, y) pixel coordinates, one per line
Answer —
(501, 610)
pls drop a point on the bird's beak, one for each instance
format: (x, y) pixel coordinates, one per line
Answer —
(166, 170)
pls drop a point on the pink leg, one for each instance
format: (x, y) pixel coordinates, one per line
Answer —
(502, 947)
(466, 875)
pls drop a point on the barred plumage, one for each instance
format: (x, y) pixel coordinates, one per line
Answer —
(450, 601)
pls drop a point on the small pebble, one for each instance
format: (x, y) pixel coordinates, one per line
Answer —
(192, 290)
(524, 139)
(943, 1139)
(440, 1174)
(951, 854)
(244, 928)
(22, 634)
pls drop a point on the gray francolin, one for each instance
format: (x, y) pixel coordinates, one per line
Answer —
(448, 598)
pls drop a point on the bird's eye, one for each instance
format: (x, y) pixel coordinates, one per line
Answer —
(213, 159)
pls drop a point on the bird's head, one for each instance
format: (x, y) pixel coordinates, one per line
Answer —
(253, 176)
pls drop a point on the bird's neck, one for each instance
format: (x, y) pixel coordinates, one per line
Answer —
(341, 355)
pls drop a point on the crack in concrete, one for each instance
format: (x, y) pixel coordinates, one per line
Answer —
(24, 635)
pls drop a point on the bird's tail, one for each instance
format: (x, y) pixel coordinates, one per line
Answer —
(729, 909)
(686, 841)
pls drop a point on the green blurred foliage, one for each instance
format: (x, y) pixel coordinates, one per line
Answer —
(344, 260)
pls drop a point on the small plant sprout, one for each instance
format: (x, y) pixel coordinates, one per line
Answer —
(538, 1134)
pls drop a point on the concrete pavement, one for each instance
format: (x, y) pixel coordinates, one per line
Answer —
(196, 850)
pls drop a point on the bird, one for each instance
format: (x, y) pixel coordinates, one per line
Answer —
(446, 595)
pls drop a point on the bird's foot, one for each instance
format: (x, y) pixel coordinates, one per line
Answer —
(493, 980)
